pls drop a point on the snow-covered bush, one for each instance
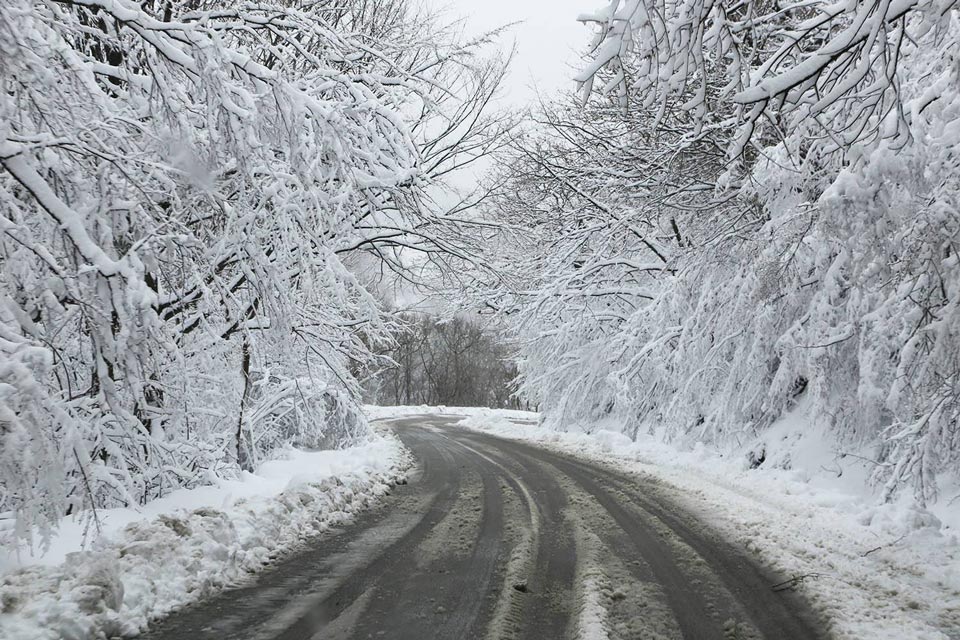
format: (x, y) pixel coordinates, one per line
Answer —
(305, 412)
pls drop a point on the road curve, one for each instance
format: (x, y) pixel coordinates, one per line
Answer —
(494, 539)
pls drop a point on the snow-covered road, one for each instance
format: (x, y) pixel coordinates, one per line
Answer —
(494, 538)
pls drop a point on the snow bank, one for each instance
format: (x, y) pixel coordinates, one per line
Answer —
(194, 542)
(878, 571)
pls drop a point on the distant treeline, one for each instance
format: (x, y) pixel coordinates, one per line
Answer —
(454, 362)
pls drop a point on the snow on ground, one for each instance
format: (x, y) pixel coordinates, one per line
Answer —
(375, 412)
(592, 621)
(187, 545)
(877, 571)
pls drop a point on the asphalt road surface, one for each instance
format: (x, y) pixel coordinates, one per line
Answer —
(494, 539)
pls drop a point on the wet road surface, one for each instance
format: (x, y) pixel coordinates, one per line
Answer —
(494, 539)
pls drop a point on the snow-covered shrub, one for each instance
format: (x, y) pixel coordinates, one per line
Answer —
(305, 412)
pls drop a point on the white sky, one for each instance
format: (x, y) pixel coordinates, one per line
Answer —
(548, 39)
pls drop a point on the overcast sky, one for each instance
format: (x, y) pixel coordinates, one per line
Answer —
(548, 39)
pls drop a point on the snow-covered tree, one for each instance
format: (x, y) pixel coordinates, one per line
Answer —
(184, 187)
(439, 361)
(794, 168)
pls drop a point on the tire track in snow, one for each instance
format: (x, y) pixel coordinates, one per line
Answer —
(498, 540)
(603, 558)
(676, 559)
(733, 583)
(539, 609)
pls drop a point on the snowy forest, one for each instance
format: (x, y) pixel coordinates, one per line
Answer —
(738, 211)
(197, 199)
(454, 362)
(748, 209)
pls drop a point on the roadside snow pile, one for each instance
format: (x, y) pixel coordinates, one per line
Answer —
(877, 571)
(187, 545)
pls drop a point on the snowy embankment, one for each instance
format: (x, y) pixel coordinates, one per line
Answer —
(877, 571)
(177, 549)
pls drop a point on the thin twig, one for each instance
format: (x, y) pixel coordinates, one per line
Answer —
(794, 581)
(889, 544)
